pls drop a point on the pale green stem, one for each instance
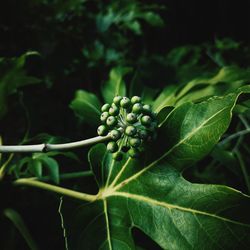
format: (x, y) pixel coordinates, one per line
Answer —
(233, 136)
(56, 189)
(4, 167)
(62, 223)
(244, 170)
(17, 220)
(113, 163)
(52, 147)
(66, 176)
(244, 121)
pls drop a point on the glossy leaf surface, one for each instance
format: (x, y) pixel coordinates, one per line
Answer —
(156, 199)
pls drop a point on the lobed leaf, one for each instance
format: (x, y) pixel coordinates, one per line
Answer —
(156, 199)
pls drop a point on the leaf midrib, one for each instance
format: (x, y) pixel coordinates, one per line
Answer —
(172, 206)
(125, 182)
(105, 207)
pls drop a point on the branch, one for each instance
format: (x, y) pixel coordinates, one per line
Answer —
(52, 147)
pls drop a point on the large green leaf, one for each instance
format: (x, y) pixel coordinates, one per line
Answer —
(156, 199)
(87, 106)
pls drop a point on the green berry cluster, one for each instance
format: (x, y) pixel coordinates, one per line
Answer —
(130, 123)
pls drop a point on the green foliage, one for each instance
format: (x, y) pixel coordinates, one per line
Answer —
(156, 199)
(86, 106)
(115, 85)
(12, 77)
(185, 189)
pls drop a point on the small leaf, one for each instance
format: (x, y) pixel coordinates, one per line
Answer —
(86, 106)
(153, 19)
(165, 98)
(163, 114)
(95, 158)
(52, 166)
(12, 77)
(228, 78)
(115, 85)
(35, 166)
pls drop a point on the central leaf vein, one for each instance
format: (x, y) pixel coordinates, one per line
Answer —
(172, 206)
(189, 135)
(107, 223)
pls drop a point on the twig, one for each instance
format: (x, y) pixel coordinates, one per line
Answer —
(52, 147)
(244, 170)
(233, 136)
(5, 166)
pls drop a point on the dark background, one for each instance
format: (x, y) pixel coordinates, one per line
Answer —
(32, 25)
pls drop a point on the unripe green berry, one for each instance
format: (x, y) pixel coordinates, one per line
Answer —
(137, 108)
(104, 116)
(111, 121)
(133, 153)
(114, 110)
(146, 120)
(117, 100)
(146, 109)
(105, 107)
(125, 102)
(115, 134)
(117, 156)
(143, 134)
(135, 99)
(112, 147)
(130, 130)
(131, 118)
(135, 142)
(102, 130)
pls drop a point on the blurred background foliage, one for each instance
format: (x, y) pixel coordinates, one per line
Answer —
(51, 49)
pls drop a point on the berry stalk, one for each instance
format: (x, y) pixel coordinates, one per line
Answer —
(46, 147)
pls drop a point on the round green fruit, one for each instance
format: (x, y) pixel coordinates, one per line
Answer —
(130, 130)
(114, 110)
(146, 109)
(146, 120)
(111, 121)
(102, 130)
(135, 142)
(104, 116)
(112, 147)
(131, 118)
(105, 107)
(137, 108)
(125, 102)
(117, 100)
(135, 99)
(115, 134)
